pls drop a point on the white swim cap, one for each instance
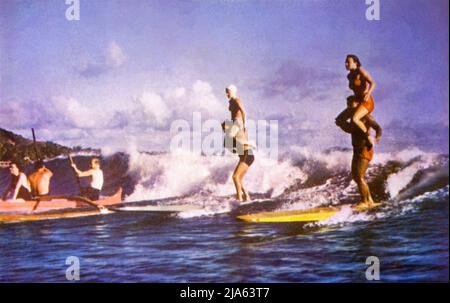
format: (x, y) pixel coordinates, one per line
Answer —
(232, 89)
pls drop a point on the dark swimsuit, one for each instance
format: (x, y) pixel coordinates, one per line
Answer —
(248, 157)
(358, 84)
(23, 193)
(92, 194)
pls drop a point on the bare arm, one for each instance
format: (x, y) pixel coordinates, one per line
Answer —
(82, 173)
(371, 122)
(369, 78)
(22, 180)
(85, 173)
(8, 189)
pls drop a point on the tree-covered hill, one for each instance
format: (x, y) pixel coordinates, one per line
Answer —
(18, 148)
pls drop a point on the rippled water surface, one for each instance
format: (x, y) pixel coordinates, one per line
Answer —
(131, 247)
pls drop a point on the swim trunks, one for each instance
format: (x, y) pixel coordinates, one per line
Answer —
(248, 157)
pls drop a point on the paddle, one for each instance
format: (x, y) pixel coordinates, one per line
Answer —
(35, 146)
(101, 208)
(75, 173)
(38, 157)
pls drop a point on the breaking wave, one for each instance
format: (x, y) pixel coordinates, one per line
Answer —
(300, 179)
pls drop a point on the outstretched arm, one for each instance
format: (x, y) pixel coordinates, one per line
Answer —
(85, 173)
(81, 173)
(6, 192)
(8, 189)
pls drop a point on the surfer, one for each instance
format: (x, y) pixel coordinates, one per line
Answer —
(362, 85)
(40, 179)
(19, 186)
(96, 184)
(244, 150)
(362, 154)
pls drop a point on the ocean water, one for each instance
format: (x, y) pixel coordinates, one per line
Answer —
(408, 235)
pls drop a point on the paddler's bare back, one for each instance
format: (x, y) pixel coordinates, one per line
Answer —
(40, 181)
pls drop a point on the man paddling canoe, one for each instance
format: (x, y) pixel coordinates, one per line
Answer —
(362, 151)
(40, 180)
(96, 183)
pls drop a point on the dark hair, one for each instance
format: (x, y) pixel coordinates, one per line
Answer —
(356, 59)
(39, 164)
(17, 164)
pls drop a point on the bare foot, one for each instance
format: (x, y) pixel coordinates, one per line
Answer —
(361, 204)
(247, 196)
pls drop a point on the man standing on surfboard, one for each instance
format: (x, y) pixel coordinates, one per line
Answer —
(362, 151)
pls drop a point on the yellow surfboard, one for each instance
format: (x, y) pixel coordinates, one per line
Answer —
(308, 215)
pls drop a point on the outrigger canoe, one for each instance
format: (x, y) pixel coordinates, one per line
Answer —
(55, 207)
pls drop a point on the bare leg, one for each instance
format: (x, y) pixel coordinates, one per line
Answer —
(359, 168)
(237, 180)
(244, 190)
(238, 188)
(360, 112)
(240, 169)
(246, 194)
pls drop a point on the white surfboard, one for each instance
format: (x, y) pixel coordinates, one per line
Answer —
(236, 204)
(161, 208)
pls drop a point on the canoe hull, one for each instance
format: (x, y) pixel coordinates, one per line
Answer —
(54, 208)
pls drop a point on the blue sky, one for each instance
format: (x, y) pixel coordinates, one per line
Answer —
(132, 67)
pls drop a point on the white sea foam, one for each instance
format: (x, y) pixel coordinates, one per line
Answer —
(398, 181)
(184, 173)
(344, 216)
(206, 180)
